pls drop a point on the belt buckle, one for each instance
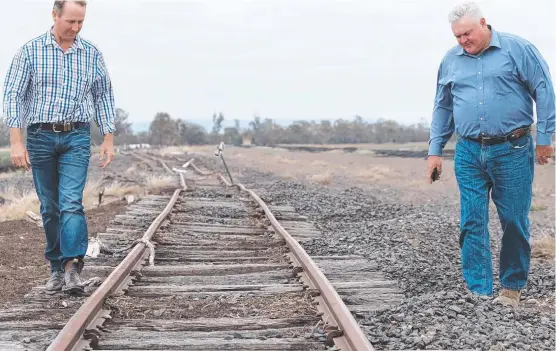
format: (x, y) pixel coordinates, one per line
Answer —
(485, 139)
(54, 128)
(65, 127)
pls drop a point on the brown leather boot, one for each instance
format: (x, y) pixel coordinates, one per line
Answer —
(508, 297)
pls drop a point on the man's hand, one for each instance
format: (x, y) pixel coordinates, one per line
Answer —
(107, 149)
(18, 152)
(432, 163)
(544, 152)
(20, 156)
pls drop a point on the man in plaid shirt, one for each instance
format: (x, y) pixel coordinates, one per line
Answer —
(55, 85)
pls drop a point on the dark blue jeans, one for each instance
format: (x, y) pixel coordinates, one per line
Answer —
(506, 171)
(59, 162)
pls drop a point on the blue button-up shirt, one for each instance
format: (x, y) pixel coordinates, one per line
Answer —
(492, 93)
(44, 84)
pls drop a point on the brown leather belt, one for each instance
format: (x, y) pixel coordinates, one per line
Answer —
(61, 127)
(493, 140)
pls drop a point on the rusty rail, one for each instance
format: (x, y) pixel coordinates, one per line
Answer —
(89, 312)
(344, 331)
(348, 336)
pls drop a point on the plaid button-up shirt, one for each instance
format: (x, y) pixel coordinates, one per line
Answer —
(44, 84)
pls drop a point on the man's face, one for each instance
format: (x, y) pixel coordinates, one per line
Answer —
(68, 23)
(470, 34)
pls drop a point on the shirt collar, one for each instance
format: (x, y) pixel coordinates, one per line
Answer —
(494, 41)
(51, 40)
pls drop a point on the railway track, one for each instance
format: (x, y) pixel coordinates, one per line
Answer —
(208, 267)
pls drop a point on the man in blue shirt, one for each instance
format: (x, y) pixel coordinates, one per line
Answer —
(56, 84)
(485, 91)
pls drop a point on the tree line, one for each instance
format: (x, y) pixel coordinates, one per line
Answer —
(167, 131)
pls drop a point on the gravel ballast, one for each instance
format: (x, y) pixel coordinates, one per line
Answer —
(418, 248)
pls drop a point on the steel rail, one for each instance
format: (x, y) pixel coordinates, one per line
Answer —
(354, 338)
(348, 336)
(200, 171)
(71, 334)
(164, 165)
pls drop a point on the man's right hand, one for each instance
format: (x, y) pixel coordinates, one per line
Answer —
(432, 163)
(20, 156)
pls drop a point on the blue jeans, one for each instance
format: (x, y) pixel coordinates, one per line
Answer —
(59, 162)
(506, 171)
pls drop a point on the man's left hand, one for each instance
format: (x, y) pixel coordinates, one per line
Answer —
(106, 149)
(543, 153)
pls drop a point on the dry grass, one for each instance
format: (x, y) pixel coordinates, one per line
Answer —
(90, 194)
(238, 155)
(131, 170)
(322, 179)
(364, 152)
(157, 182)
(174, 150)
(284, 160)
(544, 247)
(18, 204)
(415, 183)
(119, 191)
(393, 146)
(374, 173)
(5, 158)
(538, 207)
(10, 174)
(319, 163)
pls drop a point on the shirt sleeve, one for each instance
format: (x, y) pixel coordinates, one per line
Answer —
(537, 78)
(15, 87)
(442, 126)
(103, 94)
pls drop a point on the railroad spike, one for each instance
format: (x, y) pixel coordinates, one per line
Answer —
(297, 270)
(313, 292)
(93, 335)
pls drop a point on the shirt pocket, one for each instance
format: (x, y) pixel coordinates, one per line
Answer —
(83, 81)
(502, 84)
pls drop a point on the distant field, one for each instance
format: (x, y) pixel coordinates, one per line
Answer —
(417, 146)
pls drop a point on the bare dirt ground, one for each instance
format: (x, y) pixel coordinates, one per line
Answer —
(22, 262)
(398, 179)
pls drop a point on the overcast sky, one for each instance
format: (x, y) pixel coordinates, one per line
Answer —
(283, 59)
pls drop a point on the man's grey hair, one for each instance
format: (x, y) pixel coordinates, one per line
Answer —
(59, 5)
(465, 9)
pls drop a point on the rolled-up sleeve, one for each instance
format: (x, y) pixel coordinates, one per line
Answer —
(442, 126)
(15, 87)
(539, 83)
(105, 111)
